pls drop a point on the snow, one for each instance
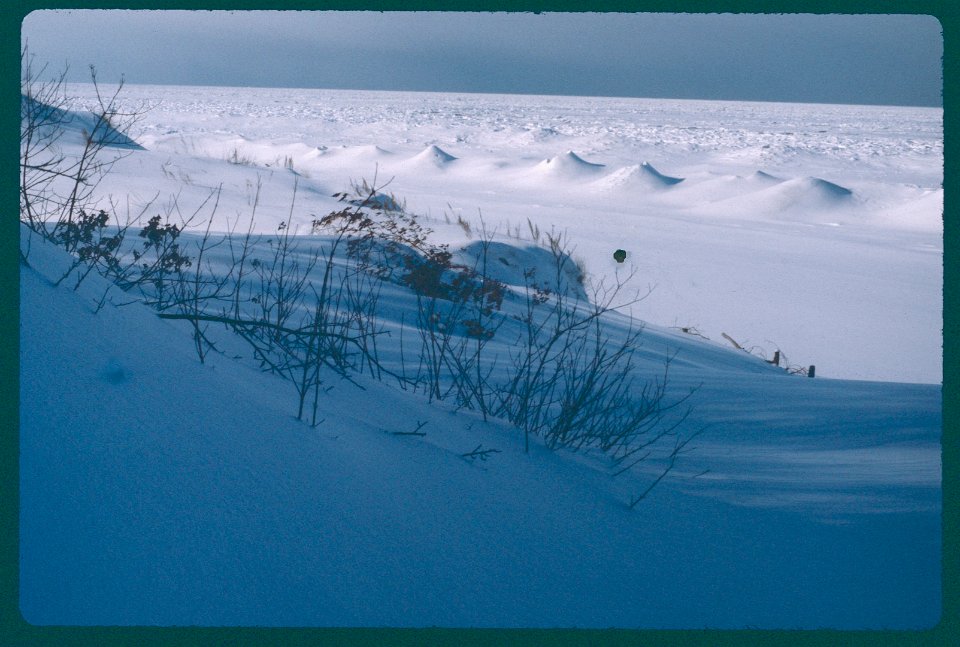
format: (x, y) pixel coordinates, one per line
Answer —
(777, 200)
(568, 166)
(638, 175)
(433, 156)
(158, 490)
(76, 126)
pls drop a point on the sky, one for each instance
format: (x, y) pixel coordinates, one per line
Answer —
(878, 59)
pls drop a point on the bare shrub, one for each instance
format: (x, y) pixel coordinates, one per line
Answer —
(55, 188)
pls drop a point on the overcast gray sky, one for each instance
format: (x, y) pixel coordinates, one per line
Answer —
(893, 60)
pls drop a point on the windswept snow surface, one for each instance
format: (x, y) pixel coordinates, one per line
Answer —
(813, 228)
(156, 490)
(159, 490)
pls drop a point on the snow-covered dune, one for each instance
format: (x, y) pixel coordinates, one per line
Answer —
(567, 166)
(432, 156)
(805, 199)
(637, 176)
(75, 126)
(156, 490)
(709, 187)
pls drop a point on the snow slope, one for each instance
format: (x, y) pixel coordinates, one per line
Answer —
(157, 490)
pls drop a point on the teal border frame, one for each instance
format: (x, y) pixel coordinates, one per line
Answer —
(14, 630)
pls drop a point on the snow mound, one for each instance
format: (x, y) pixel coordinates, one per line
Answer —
(434, 156)
(642, 175)
(807, 199)
(803, 193)
(706, 188)
(77, 125)
(510, 263)
(820, 187)
(568, 166)
(370, 151)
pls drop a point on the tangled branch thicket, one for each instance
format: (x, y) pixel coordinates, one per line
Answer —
(307, 306)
